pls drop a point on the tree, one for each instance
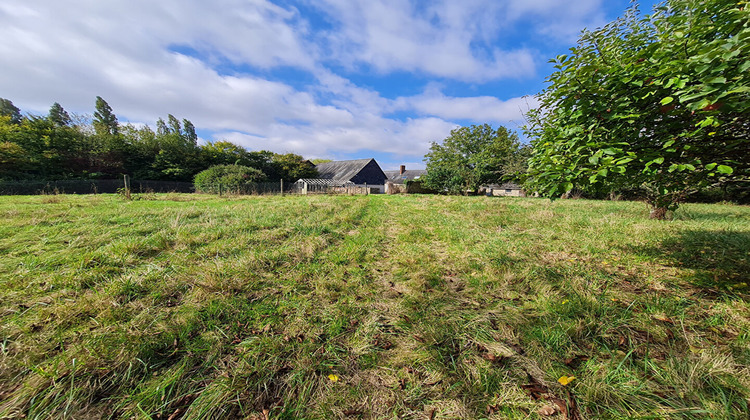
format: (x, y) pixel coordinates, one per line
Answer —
(224, 153)
(189, 131)
(9, 110)
(291, 167)
(105, 121)
(161, 127)
(226, 177)
(470, 157)
(58, 115)
(657, 103)
(174, 124)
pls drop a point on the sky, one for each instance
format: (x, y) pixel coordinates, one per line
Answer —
(331, 79)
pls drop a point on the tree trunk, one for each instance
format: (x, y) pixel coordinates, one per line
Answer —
(658, 213)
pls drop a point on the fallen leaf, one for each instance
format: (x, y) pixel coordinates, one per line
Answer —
(333, 378)
(547, 410)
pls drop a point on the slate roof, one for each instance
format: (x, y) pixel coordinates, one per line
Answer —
(359, 171)
(409, 175)
(341, 169)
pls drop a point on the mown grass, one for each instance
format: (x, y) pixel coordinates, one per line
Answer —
(189, 306)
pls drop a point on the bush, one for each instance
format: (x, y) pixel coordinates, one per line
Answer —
(227, 177)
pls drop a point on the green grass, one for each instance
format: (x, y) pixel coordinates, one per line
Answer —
(189, 306)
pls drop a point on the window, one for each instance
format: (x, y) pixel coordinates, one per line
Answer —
(508, 191)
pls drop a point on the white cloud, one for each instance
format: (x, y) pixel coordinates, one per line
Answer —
(562, 20)
(479, 109)
(408, 138)
(443, 40)
(126, 52)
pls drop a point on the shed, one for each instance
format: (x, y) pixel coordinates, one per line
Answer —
(508, 189)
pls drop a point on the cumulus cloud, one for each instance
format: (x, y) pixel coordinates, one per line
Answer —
(221, 65)
(477, 108)
(444, 39)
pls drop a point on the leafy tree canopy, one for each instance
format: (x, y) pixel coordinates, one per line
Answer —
(291, 167)
(58, 115)
(470, 157)
(657, 102)
(219, 177)
(105, 121)
(7, 109)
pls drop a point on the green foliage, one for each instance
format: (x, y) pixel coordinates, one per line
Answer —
(470, 157)
(657, 102)
(226, 177)
(291, 167)
(55, 148)
(7, 109)
(225, 153)
(58, 115)
(105, 121)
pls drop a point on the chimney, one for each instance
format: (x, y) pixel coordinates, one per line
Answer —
(402, 169)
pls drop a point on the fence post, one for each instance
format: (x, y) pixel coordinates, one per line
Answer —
(126, 181)
(219, 189)
(282, 187)
(367, 190)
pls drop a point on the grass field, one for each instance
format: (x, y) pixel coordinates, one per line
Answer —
(190, 306)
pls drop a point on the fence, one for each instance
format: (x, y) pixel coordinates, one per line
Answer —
(112, 186)
(98, 186)
(256, 188)
(328, 189)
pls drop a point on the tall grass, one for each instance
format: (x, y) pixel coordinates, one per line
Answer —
(190, 306)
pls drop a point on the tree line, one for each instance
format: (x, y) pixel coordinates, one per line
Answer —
(60, 146)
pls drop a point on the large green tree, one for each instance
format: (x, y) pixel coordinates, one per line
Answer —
(470, 157)
(657, 103)
(105, 121)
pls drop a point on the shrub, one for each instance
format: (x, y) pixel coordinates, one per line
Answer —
(227, 177)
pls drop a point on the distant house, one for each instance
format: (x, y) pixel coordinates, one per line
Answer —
(403, 175)
(360, 172)
(397, 179)
(509, 189)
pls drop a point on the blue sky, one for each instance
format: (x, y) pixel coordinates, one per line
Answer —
(337, 79)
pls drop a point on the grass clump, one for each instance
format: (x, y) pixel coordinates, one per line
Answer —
(190, 306)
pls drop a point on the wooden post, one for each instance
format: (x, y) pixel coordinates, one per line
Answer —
(282, 187)
(367, 190)
(219, 189)
(126, 180)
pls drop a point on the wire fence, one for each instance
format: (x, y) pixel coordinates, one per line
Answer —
(98, 186)
(254, 188)
(125, 185)
(329, 189)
